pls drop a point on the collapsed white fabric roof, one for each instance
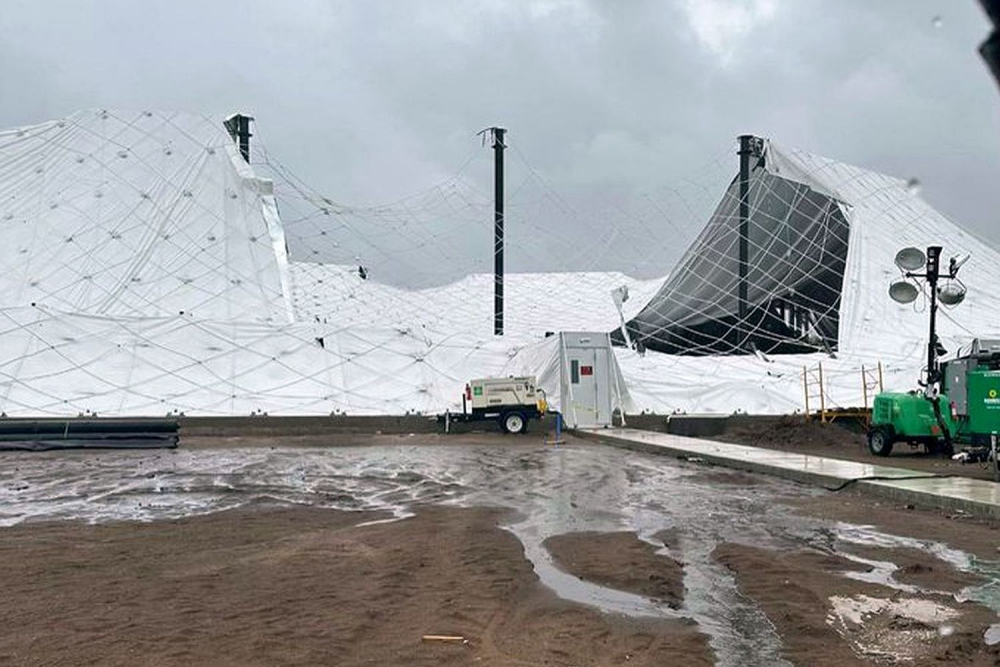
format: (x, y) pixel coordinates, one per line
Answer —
(885, 215)
(138, 214)
(145, 271)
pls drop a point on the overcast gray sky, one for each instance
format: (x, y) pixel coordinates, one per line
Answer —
(369, 100)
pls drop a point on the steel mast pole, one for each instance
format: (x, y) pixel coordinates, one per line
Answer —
(933, 272)
(238, 126)
(746, 150)
(498, 220)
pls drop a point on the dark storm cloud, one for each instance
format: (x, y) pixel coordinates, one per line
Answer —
(609, 101)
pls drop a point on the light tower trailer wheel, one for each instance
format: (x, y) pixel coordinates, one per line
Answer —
(880, 440)
(514, 421)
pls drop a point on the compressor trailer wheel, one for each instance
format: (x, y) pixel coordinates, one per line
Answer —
(513, 422)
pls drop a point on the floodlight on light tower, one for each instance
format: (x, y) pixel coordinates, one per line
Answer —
(952, 293)
(910, 259)
(907, 259)
(903, 291)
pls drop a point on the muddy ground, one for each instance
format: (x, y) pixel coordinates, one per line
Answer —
(810, 602)
(843, 440)
(579, 556)
(304, 586)
(534, 436)
(636, 567)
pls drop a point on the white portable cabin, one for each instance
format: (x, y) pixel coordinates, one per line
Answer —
(580, 375)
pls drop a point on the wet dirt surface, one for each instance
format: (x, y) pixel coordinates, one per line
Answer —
(921, 569)
(620, 561)
(547, 492)
(978, 538)
(267, 585)
(827, 619)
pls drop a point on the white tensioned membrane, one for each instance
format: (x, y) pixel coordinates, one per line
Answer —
(885, 215)
(534, 303)
(145, 273)
(137, 215)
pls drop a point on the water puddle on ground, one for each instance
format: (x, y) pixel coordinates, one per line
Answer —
(894, 630)
(552, 490)
(884, 573)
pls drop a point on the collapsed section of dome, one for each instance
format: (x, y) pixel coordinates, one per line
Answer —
(763, 276)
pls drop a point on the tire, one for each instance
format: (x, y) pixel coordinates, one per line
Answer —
(880, 441)
(514, 422)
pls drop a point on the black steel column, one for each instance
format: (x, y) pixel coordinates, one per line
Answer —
(238, 127)
(498, 146)
(745, 152)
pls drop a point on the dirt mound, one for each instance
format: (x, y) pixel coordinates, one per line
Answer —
(621, 561)
(791, 431)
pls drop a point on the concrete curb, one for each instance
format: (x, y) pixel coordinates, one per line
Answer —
(974, 497)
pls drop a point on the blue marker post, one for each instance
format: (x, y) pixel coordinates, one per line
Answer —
(558, 440)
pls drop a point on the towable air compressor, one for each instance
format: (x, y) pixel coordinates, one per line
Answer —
(510, 401)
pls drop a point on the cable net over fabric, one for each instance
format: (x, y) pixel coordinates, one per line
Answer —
(796, 251)
(149, 270)
(138, 214)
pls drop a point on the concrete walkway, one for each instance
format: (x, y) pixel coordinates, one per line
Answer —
(972, 496)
